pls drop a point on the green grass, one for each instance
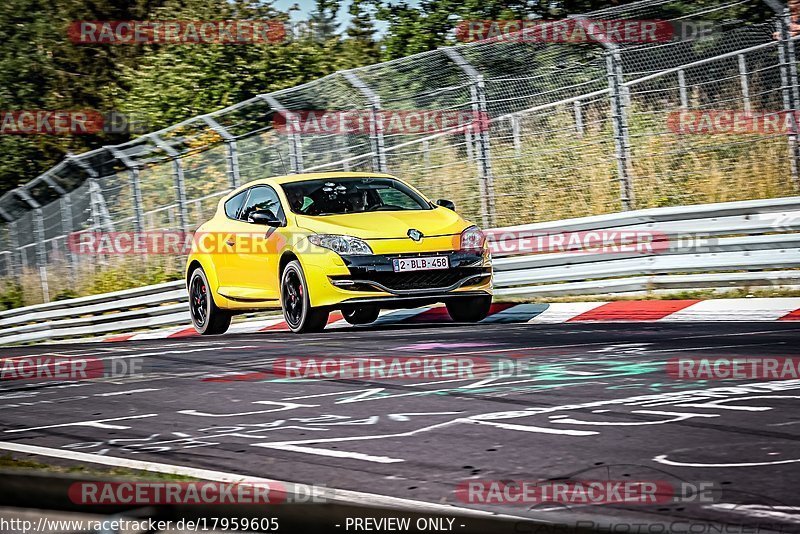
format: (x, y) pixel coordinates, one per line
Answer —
(9, 462)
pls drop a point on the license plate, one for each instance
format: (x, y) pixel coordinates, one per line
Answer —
(421, 264)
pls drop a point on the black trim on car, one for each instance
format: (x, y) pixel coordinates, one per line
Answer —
(376, 273)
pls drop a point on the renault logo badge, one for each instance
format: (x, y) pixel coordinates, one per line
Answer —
(416, 235)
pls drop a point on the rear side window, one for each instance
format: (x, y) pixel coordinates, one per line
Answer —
(234, 204)
(262, 197)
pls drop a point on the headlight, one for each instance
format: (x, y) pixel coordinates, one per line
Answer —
(341, 244)
(473, 239)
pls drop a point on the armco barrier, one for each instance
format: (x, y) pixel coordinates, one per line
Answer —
(746, 244)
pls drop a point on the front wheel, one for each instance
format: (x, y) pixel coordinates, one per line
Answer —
(361, 314)
(207, 318)
(297, 310)
(469, 309)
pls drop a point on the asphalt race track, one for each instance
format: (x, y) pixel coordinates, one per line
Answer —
(598, 403)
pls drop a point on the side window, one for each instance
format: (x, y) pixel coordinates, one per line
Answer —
(233, 205)
(262, 197)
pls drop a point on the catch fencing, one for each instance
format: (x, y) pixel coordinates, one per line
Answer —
(574, 129)
(710, 247)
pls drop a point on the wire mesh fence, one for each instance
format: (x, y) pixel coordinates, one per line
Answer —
(573, 129)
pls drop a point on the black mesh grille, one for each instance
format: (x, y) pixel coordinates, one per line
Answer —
(418, 280)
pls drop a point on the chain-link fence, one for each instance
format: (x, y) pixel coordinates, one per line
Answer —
(574, 129)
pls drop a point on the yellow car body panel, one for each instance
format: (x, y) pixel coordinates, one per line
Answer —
(246, 275)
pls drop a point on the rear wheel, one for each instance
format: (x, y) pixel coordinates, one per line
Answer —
(297, 310)
(469, 309)
(361, 314)
(207, 318)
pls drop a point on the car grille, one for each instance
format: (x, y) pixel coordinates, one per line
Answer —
(416, 280)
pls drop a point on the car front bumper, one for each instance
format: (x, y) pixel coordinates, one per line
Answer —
(371, 280)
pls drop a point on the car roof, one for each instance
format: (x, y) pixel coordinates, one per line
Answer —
(302, 177)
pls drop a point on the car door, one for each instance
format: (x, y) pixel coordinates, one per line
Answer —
(251, 262)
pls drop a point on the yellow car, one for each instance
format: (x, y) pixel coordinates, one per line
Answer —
(349, 241)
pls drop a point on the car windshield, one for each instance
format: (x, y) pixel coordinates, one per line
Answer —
(337, 196)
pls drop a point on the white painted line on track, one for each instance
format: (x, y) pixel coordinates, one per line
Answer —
(662, 459)
(538, 429)
(790, 514)
(334, 454)
(127, 392)
(96, 423)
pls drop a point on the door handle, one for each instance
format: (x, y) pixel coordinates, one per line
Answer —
(230, 242)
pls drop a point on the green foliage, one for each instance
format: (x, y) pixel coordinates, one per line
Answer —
(12, 295)
(40, 68)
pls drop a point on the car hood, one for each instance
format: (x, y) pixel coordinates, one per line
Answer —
(386, 224)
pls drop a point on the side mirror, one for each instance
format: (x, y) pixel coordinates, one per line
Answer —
(446, 204)
(265, 217)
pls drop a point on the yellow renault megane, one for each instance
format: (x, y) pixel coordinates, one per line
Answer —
(355, 242)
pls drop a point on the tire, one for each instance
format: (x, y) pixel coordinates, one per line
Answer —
(469, 309)
(361, 314)
(207, 318)
(297, 311)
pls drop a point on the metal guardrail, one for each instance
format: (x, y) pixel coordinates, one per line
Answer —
(743, 244)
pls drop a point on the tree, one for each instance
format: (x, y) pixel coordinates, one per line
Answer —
(41, 69)
(323, 20)
(360, 44)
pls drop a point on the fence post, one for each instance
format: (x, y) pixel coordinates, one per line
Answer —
(745, 83)
(620, 101)
(480, 109)
(16, 253)
(38, 231)
(177, 172)
(295, 143)
(345, 152)
(579, 127)
(515, 135)
(136, 190)
(65, 209)
(231, 151)
(682, 88)
(786, 54)
(138, 211)
(426, 155)
(620, 122)
(375, 121)
(97, 204)
(99, 212)
(12, 241)
(66, 225)
(41, 252)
